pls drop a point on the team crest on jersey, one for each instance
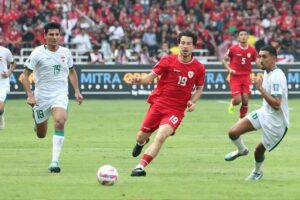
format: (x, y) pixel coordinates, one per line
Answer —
(248, 55)
(190, 74)
(62, 58)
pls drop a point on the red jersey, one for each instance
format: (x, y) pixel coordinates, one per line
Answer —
(177, 81)
(240, 59)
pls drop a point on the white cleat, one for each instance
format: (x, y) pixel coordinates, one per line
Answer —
(254, 176)
(233, 155)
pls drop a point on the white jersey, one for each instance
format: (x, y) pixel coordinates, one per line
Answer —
(50, 70)
(275, 84)
(6, 58)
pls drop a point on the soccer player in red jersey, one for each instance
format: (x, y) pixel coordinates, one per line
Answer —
(238, 60)
(179, 75)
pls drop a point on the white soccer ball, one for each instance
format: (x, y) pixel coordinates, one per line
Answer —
(107, 175)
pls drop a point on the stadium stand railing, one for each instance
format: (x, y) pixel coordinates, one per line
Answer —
(79, 58)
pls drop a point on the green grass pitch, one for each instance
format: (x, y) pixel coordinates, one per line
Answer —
(189, 166)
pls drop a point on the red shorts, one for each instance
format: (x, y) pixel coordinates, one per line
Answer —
(240, 84)
(157, 116)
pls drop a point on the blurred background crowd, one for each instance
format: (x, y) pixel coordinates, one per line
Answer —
(121, 31)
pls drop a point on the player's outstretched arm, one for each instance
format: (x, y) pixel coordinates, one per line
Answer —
(145, 79)
(26, 85)
(191, 105)
(74, 81)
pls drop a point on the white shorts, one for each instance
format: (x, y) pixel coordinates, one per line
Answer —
(3, 94)
(43, 107)
(273, 133)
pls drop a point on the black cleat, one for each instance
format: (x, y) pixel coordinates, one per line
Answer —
(54, 167)
(138, 149)
(138, 172)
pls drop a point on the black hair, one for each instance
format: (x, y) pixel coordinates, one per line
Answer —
(96, 47)
(187, 33)
(270, 49)
(52, 25)
(242, 30)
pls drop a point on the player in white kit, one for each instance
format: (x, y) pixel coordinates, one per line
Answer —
(272, 117)
(51, 65)
(6, 58)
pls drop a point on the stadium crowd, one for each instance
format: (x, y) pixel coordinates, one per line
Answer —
(144, 26)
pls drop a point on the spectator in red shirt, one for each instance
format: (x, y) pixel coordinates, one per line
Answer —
(288, 21)
(39, 37)
(14, 38)
(192, 3)
(136, 17)
(208, 6)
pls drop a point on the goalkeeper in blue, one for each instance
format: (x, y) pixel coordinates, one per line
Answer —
(272, 117)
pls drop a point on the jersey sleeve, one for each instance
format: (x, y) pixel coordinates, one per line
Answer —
(161, 66)
(70, 60)
(277, 86)
(254, 55)
(31, 62)
(201, 79)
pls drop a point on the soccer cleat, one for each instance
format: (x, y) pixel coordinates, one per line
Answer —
(138, 149)
(254, 176)
(233, 155)
(231, 108)
(2, 122)
(54, 167)
(138, 172)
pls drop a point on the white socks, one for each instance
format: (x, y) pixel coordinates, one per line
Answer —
(140, 166)
(257, 166)
(239, 144)
(57, 145)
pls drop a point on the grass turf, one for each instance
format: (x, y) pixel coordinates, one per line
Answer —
(189, 166)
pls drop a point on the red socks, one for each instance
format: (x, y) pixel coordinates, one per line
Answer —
(146, 160)
(243, 111)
